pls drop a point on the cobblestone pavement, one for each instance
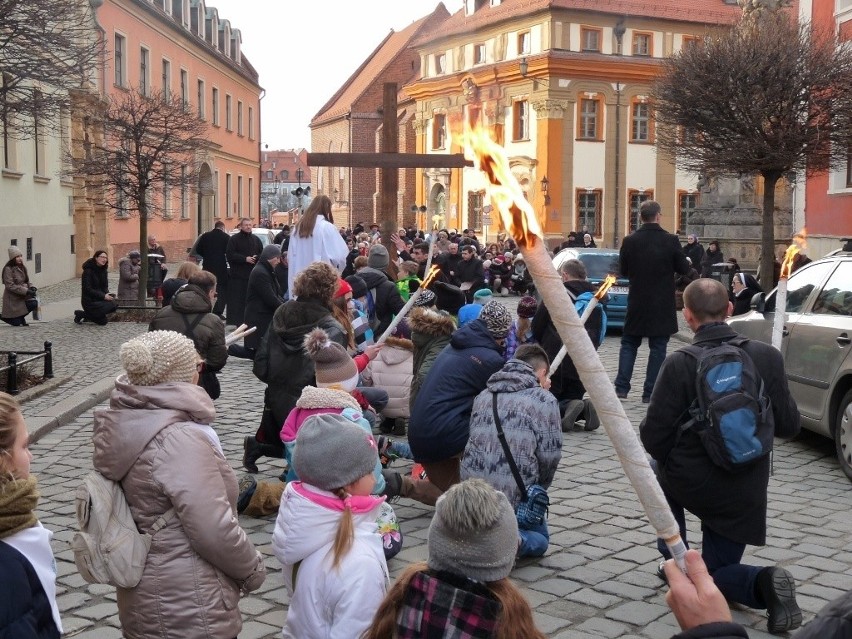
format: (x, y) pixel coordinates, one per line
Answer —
(595, 581)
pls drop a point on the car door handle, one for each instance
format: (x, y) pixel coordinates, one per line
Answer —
(843, 339)
(785, 332)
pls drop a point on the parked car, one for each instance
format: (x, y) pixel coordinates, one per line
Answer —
(266, 235)
(599, 263)
(816, 345)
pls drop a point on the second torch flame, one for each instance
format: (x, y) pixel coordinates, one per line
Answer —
(519, 219)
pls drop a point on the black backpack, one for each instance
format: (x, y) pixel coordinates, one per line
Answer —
(731, 412)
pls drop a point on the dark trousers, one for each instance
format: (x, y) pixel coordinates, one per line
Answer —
(221, 296)
(736, 581)
(97, 311)
(237, 290)
(627, 358)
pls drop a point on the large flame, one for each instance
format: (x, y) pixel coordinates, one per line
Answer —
(605, 286)
(799, 244)
(504, 189)
(434, 271)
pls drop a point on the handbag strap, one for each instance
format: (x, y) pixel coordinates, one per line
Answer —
(190, 328)
(509, 458)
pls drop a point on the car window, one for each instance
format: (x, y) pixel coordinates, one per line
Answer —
(836, 296)
(801, 285)
(599, 265)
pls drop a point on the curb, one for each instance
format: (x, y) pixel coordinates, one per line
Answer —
(69, 408)
(37, 391)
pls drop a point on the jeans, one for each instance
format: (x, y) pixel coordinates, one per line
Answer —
(401, 450)
(627, 358)
(736, 581)
(534, 540)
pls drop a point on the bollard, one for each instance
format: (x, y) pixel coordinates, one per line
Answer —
(48, 360)
(12, 374)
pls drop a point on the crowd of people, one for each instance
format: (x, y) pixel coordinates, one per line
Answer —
(459, 385)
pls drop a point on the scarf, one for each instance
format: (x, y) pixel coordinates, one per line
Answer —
(18, 500)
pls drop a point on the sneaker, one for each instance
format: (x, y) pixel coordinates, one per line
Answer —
(777, 588)
(393, 484)
(661, 572)
(572, 412)
(593, 422)
(248, 485)
(78, 317)
(399, 427)
(646, 400)
(385, 456)
(387, 425)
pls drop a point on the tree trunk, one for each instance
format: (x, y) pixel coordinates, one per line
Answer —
(767, 237)
(143, 249)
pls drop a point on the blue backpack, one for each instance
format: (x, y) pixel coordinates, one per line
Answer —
(581, 302)
(731, 412)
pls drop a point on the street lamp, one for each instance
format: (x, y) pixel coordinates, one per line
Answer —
(524, 67)
(417, 218)
(544, 185)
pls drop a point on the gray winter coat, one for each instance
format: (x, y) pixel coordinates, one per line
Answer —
(156, 440)
(128, 279)
(530, 419)
(15, 287)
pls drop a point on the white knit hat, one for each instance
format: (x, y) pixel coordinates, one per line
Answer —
(14, 252)
(159, 357)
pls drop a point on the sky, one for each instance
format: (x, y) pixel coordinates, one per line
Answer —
(304, 50)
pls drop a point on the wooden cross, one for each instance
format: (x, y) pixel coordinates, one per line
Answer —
(389, 161)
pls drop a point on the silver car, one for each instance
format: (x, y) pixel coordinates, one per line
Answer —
(816, 345)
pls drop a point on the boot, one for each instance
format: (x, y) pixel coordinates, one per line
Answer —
(572, 412)
(777, 588)
(251, 453)
(393, 484)
(399, 427)
(593, 422)
(421, 490)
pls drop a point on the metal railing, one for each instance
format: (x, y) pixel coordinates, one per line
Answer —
(12, 364)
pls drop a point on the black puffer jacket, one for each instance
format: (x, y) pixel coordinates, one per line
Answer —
(281, 361)
(388, 301)
(95, 282)
(24, 607)
(732, 504)
(188, 305)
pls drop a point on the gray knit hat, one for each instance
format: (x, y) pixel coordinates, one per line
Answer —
(270, 251)
(332, 364)
(497, 319)
(159, 357)
(14, 252)
(378, 257)
(332, 451)
(426, 298)
(474, 532)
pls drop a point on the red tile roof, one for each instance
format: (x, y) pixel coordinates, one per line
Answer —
(366, 75)
(695, 11)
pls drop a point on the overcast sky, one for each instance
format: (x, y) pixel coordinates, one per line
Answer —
(305, 50)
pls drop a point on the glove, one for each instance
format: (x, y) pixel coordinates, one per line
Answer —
(256, 578)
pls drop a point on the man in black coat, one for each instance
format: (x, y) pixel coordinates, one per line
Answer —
(211, 247)
(243, 251)
(470, 272)
(649, 258)
(262, 300)
(731, 505)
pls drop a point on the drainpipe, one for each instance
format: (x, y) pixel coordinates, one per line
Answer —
(618, 31)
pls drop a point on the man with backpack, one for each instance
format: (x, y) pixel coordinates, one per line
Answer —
(713, 413)
(565, 383)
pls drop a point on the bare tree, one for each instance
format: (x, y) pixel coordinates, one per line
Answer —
(767, 97)
(54, 46)
(150, 152)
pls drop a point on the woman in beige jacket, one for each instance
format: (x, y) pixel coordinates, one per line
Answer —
(156, 439)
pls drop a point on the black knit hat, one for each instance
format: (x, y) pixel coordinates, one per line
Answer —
(359, 286)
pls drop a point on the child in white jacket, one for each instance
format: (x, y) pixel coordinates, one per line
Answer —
(326, 536)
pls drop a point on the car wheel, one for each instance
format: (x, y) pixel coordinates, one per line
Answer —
(843, 434)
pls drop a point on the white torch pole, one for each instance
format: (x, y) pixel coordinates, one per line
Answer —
(587, 312)
(780, 313)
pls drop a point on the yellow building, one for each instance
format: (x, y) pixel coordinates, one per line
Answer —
(564, 85)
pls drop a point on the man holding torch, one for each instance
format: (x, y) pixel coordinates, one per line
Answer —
(731, 504)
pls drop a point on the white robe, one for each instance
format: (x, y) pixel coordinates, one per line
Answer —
(325, 245)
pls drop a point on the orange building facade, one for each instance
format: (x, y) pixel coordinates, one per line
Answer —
(185, 48)
(828, 196)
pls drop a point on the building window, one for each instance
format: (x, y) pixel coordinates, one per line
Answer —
(479, 54)
(228, 211)
(29, 249)
(589, 211)
(144, 65)
(689, 41)
(643, 43)
(686, 203)
(118, 58)
(285, 175)
(65, 138)
(38, 133)
(250, 196)
(239, 195)
(215, 92)
(167, 80)
(848, 167)
(634, 201)
(228, 113)
(521, 120)
(239, 117)
(184, 88)
(590, 39)
(9, 142)
(202, 101)
(251, 123)
(640, 120)
(167, 193)
(270, 175)
(216, 211)
(475, 203)
(590, 122)
(523, 42)
(439, 131)
(440, 64)
(184, 193)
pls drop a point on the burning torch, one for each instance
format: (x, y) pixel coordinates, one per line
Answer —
(587, 313)
(430, 277)
(518, 218)
(781, 293)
